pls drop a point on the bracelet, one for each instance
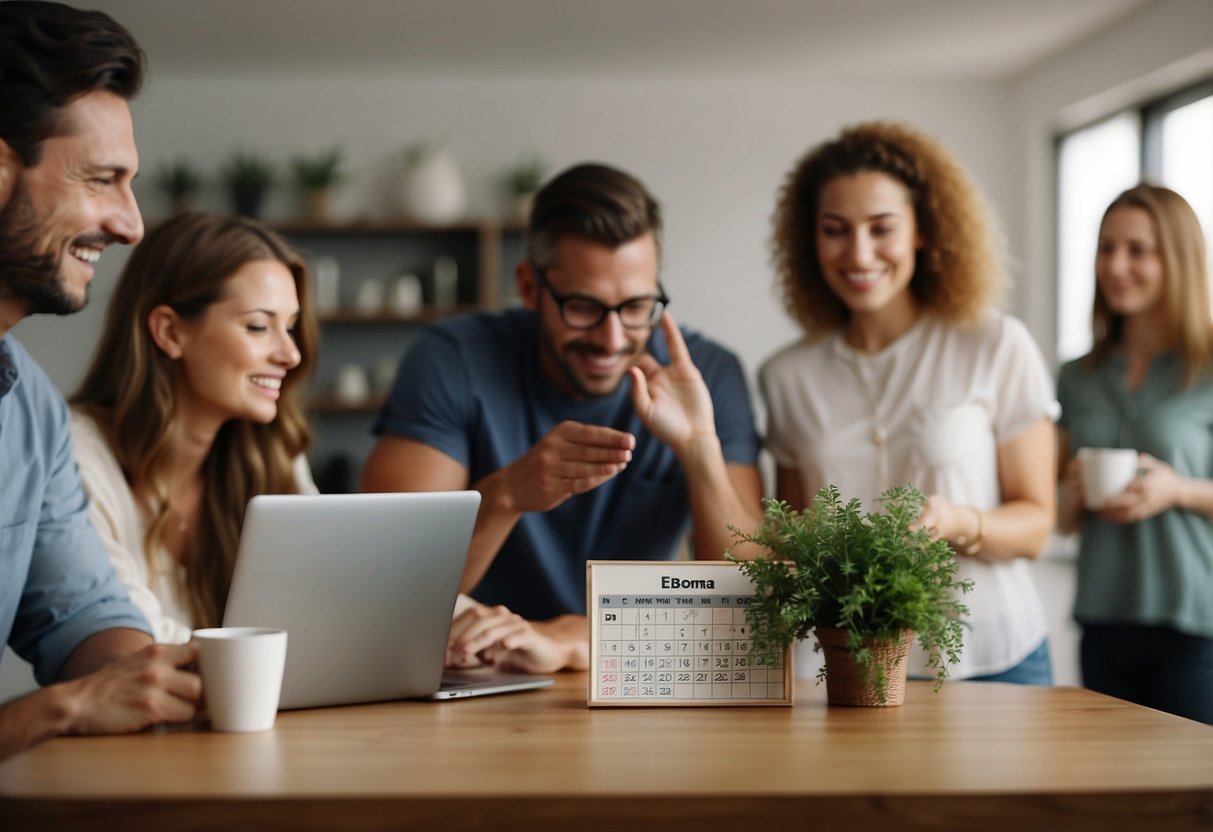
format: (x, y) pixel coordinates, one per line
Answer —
(975, 547)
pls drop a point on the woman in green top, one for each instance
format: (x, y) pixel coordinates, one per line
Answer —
(1145, 565)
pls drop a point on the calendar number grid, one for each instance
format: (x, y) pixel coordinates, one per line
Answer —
(685, 648)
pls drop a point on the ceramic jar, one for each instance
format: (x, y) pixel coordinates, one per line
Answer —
(432, 189)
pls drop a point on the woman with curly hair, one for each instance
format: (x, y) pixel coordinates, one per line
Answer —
(190, 408)
(908, 374)
(1145, 562)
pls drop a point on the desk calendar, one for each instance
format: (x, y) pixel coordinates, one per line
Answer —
(675, 633)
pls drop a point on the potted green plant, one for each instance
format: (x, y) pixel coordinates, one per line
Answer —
(248, 176)
(866, 583)
(316, 176)
(180, 180)
(522, 181)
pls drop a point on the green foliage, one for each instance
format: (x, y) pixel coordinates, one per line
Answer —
(417, 152)
(526, 176)
(832, 565)
(315, 173)
(246, 169)
(179, 178)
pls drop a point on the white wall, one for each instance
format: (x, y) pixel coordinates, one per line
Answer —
(713, 153)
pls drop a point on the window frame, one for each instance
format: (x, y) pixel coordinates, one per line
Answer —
(1149, 115)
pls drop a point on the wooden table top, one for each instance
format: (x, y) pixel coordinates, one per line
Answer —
(1004, 755)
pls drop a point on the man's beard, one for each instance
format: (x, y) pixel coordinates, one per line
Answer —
(568, 372)
(25, 274)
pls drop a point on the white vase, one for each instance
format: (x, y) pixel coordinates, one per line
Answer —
(352, 386)
(369, 299)
(446, 282)
(405, 298)
(432, 189)
(328, 287)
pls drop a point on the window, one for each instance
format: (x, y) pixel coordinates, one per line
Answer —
(1093, 166)
(1167, 141)
(1186, 166)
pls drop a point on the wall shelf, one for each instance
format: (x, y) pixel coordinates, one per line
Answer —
(331, 404)
(484, 252)
(355, 316)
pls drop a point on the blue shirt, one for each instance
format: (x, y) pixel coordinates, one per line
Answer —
(471, 387)
(1158, 571)
(56, 584)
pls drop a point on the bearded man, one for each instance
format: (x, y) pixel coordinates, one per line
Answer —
(67, 157)
(592, 425)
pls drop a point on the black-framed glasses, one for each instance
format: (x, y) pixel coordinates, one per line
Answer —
(585, 312)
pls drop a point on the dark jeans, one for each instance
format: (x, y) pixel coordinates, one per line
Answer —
(1157, 667)
(1035, 669)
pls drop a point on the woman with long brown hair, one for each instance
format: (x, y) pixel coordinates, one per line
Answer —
(190, 408)
(1145, 562)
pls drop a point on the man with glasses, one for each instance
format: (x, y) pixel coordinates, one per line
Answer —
(592, 426)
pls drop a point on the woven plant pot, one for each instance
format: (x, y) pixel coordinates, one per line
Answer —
(316, 204)
(849, 684)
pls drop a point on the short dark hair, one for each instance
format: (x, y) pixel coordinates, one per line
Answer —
(51, 54)
(595, 202)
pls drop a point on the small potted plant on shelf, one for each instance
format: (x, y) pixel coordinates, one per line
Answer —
(865, 583)
(247, 176)
(522, 181)
(316, 177)
(180, 180)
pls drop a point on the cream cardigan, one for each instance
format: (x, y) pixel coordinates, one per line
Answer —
(121, 525)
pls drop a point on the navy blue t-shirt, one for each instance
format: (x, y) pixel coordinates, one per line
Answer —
(471, 388)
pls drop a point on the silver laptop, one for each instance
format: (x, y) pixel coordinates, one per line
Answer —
(364, 585)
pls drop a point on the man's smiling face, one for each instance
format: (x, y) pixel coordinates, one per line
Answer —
(63, 211)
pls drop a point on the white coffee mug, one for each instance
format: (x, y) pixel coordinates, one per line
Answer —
(241, 671)
(1106, 472)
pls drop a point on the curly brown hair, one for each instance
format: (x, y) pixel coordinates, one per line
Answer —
(959, 270)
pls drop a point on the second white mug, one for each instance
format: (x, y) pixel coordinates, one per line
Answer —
(1106, 472)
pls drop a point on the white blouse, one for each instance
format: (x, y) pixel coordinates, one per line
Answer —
(943, 399)
(150, 579)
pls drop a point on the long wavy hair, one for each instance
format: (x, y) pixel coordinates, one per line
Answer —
(1181, 247)
(130, 391)
(958, 272)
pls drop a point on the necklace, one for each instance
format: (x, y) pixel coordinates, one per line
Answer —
(188, 496)
(879, 436)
